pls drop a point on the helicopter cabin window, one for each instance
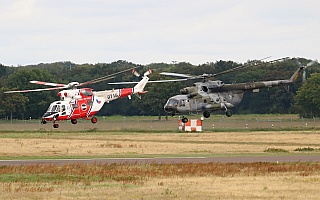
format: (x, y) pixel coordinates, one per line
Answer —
(63, 108)
(182, 102)
(55, 108)
(204, 88)
(86, 92)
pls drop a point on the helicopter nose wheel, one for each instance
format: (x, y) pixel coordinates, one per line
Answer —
(74, 121)
(228, 113)
(43, 121)
(55, 125)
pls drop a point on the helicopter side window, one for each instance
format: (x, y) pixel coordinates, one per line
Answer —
(63, 108)
(204, 88)
(86, 93)
(182, 102)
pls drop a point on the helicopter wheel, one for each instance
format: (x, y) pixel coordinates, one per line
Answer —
(228, 113)
(43, 121)
(94, 120)
(74, 121)
(55, 125)
(184, 119)
(206, 114)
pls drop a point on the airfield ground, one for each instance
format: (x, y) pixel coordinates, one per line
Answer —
(160, 181)
(151, 123)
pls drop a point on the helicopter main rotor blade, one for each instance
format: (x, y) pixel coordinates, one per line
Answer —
(104, 78)
(202, 76)
(34, 90)
(250, 64)
(50, 84)
(95, 81)
(176, 74)
(158, 81)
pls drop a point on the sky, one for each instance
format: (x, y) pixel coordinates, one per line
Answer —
(154, 31)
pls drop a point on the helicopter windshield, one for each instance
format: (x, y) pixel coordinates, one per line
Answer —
(54, 108)
(173, 102)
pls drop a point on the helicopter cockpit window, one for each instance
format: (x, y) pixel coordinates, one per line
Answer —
(173, 102)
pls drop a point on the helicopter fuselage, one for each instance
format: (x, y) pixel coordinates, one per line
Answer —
(183, 104)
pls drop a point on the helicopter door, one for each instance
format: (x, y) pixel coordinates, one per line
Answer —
(65, 109)
(193, 108)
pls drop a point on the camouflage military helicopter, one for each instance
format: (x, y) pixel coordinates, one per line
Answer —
(208, 96)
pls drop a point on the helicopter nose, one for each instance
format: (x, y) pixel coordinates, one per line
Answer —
(168, 108)
(46, 115)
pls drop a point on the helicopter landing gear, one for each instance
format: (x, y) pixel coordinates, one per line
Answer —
(184, 119)
(206, 114)
(73, 121)
(43, 121)
(228, 113)
(55, 125)
(94, 120)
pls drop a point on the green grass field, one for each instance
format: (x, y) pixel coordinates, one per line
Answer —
(151, 123)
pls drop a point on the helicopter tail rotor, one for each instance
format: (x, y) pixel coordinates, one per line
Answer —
(304, 68)
(147, 72)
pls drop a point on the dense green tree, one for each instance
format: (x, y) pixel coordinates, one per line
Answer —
(307, 100)
(12, 104)
(37, 101)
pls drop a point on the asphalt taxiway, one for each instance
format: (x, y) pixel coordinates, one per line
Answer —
(242, 159)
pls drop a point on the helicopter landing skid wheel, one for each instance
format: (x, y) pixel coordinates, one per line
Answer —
(94, 120)
(228, 113)
(206, 114)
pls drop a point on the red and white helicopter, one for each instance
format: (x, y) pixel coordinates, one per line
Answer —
(84, 103)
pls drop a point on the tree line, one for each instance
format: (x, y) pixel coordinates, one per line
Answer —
(297, 98)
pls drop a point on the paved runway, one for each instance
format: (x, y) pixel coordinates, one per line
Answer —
(244, 159)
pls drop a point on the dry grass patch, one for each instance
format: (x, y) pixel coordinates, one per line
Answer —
(162, 181)
(108, 144)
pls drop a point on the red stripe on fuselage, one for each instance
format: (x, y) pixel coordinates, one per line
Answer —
(126, 92)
